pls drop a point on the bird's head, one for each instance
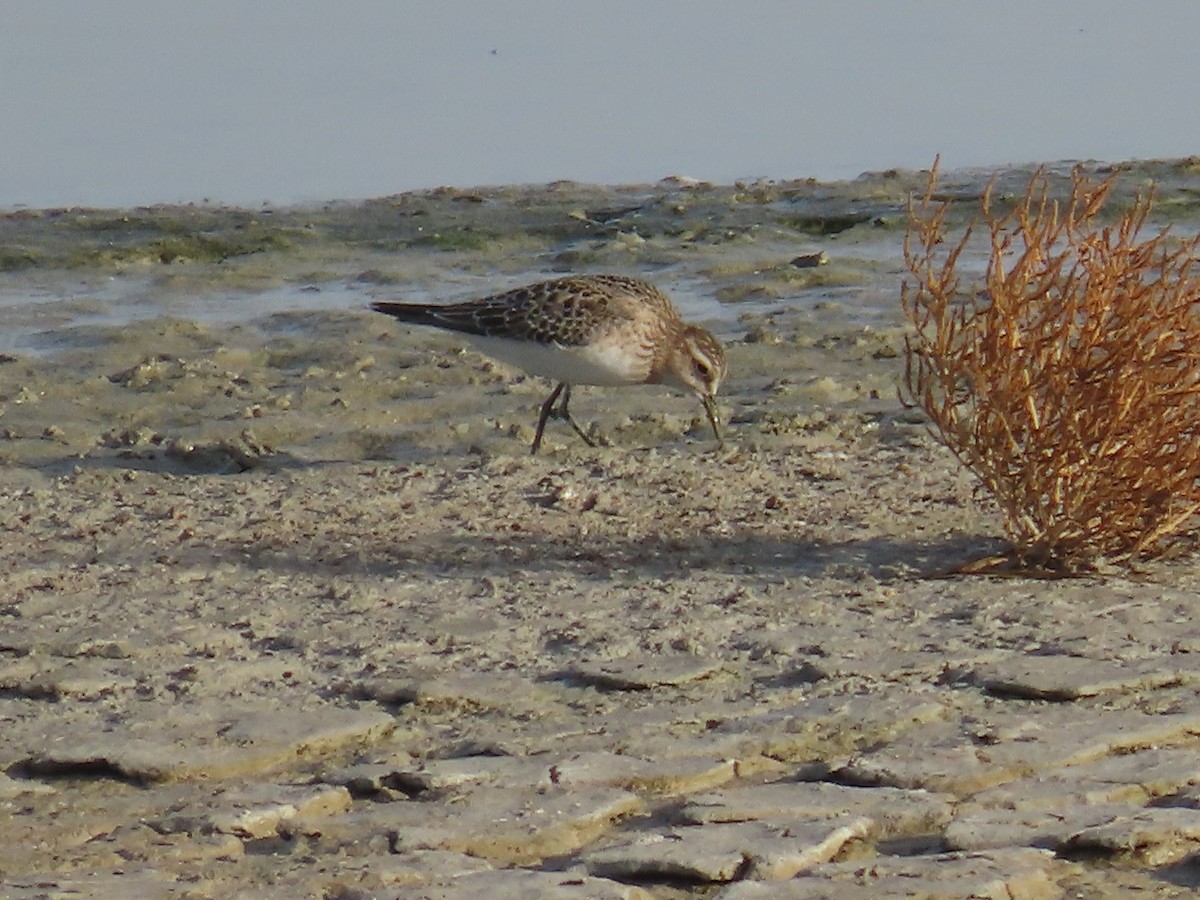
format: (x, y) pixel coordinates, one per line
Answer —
(698, 365)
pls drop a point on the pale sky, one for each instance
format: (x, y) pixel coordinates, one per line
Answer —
(140, 101)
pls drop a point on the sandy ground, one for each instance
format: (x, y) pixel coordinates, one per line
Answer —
(288, 609)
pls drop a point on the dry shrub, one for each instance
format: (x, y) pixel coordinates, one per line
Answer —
(1068, 381)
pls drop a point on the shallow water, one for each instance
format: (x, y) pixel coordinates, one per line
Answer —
(723, 252)
(54, 320)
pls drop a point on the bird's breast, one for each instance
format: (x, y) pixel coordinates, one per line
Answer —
(608, 363)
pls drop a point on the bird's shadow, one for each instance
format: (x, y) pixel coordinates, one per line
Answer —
(598, 557)
(444, 552)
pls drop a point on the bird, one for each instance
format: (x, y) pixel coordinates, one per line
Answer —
(606, 330)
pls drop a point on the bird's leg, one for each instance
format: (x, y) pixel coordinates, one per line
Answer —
(564, 413)
(547, 408)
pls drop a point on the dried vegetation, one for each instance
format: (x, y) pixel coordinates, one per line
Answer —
(1068, 381)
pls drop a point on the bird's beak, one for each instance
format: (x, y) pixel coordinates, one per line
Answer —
(710, 409)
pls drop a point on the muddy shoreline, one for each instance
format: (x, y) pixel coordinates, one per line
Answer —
(288, 609)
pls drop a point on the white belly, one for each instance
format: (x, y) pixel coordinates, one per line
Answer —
(604, 364)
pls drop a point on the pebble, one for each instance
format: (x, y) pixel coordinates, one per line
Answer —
(989, 875)
(760, 851)
(255, 810)
(177, 746)
(892, 811)
(520, 885)
(1156, 837)
(1061, 677)
(641, 672)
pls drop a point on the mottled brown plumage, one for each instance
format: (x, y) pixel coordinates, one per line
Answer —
(586, 329)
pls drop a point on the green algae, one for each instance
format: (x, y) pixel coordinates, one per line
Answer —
(179, 249)
(456, 239)
(824, 224)
(14, 259)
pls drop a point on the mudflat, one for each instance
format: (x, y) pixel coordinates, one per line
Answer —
(287, 608)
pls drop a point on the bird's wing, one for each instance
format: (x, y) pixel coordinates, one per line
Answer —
(566, 311)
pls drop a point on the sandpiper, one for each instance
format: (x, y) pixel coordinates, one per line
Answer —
(585, 329)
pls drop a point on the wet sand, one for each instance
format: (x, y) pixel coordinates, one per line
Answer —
(290, 611)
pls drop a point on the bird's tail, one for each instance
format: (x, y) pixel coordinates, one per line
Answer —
(408, 312)
(454, 317)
